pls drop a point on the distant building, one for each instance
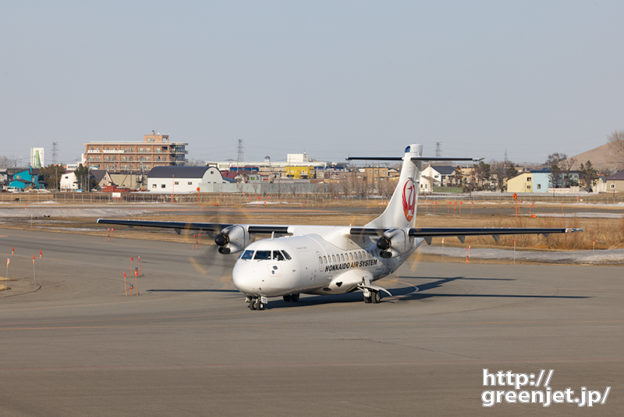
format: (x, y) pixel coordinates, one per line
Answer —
(135, 157)
(615, 183)
(300, 172)
(542, 179)
(37, 157)
(98, 178)
(24, 179)
(522, 183)
(182, 179)
(436, 176)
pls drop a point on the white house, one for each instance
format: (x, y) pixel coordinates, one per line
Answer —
(182, 179)
(435, 176)
(69, 182)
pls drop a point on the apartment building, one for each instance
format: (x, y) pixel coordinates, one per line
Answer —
(135, 157)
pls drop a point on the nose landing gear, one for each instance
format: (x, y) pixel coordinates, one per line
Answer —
(256, 303)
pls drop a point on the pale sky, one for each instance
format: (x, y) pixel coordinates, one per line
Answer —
(330, 78)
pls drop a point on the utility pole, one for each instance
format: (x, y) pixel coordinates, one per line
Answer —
(438, 152)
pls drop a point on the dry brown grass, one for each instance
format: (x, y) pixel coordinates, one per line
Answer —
(604, 233)
(599, 233)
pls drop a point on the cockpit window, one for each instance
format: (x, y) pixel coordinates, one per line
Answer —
(262, 255)
(277, 255)
(248, 254)
(286, 255)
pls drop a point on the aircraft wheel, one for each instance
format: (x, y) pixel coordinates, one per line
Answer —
(367, 300)
(376, 297)
(260, 305)
(288, 298)
(253, 304)
(294, 298)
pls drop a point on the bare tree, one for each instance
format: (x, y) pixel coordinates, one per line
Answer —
(6, 162)
(616, 148)
(482, 172)
(501, 172)
(553, 162)
(588, 175)
(566, 169)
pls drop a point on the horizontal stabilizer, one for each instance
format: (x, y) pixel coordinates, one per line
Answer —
(413, 158)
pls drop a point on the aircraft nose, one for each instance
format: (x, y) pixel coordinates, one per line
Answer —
(244, 279)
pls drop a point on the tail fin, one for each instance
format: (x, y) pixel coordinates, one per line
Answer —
(401, 210)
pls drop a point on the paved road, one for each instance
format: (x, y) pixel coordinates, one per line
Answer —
(188, 346)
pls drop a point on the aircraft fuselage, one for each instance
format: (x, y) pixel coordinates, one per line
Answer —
(311, 264)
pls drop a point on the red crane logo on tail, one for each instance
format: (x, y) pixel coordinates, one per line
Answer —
(409, 199)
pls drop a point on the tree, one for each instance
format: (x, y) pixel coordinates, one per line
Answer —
(52, 175)
(482, 172)
(566, 169)
(616, 141)
(588, 175)
(6, 162)
(553, 162)
(502, 171)
(458, 176)
(82, 176)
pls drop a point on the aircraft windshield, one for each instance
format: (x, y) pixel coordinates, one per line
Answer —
(248, 254)
(262, 255)
(266, 255)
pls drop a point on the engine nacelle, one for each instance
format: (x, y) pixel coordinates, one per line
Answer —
(393, 242)
(232, 239)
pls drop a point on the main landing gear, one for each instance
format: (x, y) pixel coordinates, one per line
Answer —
(371, 296)
(291, 298)
(256, 303)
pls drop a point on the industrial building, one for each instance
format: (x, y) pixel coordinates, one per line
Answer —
(135, 157)
(180, 180)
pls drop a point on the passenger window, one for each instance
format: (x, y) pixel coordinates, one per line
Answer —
(248, 254)
(262, 255)
(320, 260)
(277, 255)
(286, 255)
(325, 259)
(334, 258)
(350, 256)
(342, 258)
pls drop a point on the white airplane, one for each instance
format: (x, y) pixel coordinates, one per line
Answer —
(332, 259)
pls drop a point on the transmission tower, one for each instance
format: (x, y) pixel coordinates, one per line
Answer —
(54, 152)
(438, 149)
(239, 154)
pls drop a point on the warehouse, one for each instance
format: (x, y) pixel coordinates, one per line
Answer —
(182, 179)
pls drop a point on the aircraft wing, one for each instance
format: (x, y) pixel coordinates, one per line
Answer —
(462, 232)
(208, 227)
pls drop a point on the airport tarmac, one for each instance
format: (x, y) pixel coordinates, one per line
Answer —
(188, 345)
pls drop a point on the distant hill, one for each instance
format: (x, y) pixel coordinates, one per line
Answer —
(600, 157)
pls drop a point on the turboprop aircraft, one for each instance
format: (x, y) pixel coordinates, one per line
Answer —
(332, 259)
